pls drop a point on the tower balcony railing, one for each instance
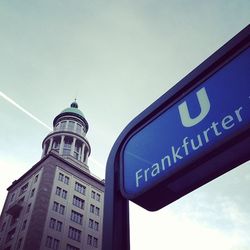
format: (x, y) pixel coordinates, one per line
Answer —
(81, 133)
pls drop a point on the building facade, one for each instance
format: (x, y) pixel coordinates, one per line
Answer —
(58, 203)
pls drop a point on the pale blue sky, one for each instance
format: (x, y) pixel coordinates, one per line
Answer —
(117, 57)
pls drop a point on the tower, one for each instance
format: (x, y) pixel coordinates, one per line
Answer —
(68, 138)
(57, 203)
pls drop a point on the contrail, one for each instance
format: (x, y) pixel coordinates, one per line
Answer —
(24, 110)
(8, 99)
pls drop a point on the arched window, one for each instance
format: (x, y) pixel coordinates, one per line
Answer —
(63, 125)
(78, 128)
(56, 143)
(84, 130)
(77, 150)
(85, 154)
(67, 145)
(71, 126)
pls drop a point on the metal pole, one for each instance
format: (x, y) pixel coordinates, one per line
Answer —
(116, 210)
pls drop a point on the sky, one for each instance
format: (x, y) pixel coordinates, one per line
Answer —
(116, 58)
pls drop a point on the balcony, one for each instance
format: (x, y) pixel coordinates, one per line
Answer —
(15, 208)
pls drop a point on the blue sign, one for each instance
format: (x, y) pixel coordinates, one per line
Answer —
(195, 132)
(208, 116)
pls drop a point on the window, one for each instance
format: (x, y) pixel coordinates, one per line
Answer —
(54, 224)
(56, 144)
(12, 197)
(67, 146)
(85, 154)
(78, 202)
(61, 192)
(95, 242)
(19, 243)
(80, 188)
(49, 241)
(91, 223)
(77, 150)
(58, 191)
(70, 247)
(61, 209)
(32, 192)
(98, 197)
(71, 125)
(97, 211)
(84, 129)
(13, 220)
(55, 206)
(11, 234)
(60, 177)
(74, 234)
(63, 178)
(23, 189)
(58, 208)
(76, 217)
(59, 226)
(36, 178)
(92, 208)
(92, 241)
(24, 224)
(52, 243)
(63, 125)
(96, 226)
(78, 128)
(95, 196)
(66, 180)
(89, 240)
(28, 208)
(55, 244)
(64, 194)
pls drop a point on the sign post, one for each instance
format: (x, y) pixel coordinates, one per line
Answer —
(116, 209)
(197, 131)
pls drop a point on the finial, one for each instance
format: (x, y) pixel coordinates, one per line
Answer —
(74, 104)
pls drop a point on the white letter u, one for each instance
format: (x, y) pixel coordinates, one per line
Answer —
(186, 120)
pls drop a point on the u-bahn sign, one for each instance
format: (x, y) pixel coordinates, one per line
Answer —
(195, 132)
(192, 134)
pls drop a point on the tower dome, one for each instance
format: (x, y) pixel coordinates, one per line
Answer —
(74, 111)
(68, 138)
